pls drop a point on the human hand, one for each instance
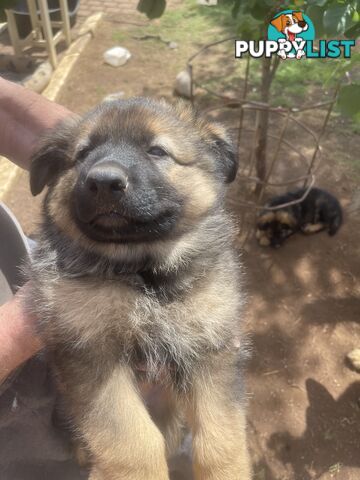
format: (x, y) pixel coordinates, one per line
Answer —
(24, 116)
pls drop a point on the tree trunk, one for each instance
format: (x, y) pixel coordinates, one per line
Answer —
(263, 123)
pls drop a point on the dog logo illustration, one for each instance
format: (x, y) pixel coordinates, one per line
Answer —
(291, 34)
(291, 27)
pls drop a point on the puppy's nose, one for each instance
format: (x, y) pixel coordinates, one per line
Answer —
(302, 23)
(106, 179)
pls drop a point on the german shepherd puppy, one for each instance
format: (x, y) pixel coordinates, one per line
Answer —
(318, 211)
(134, 280)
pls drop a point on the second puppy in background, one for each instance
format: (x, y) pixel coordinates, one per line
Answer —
(318, 211)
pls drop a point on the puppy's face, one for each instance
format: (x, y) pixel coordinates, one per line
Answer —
(132, 172)
(274, 227)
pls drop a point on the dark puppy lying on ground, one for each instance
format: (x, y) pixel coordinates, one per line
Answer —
(134, 279)
(318, 211)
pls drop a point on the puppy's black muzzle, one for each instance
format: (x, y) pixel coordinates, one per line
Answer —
(101, 191)
(121, 196)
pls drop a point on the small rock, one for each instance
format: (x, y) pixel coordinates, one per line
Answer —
(117, 56)
(183, 84)
(15, 404)
(114, 96)
(207, 3)
(354, 359)
(173, 45)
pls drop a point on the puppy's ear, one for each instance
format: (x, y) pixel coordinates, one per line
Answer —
(226, 156)
(216, 137)
(228, 161)
(51, 156)
(278, 23)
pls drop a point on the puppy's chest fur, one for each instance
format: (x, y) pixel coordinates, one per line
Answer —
(122, 318)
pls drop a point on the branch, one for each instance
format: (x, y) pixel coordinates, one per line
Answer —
(275, 65)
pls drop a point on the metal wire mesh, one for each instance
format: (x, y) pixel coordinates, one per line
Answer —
(288, 121)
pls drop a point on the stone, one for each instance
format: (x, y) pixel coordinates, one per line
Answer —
(183, 84)
(117, 56)
(354, 359)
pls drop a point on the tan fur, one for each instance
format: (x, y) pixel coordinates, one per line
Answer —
(199, 189)
(262, 238)
(87, 315)
(312, 228)
(267, 217)
(91, 306)
(213, 414)
(96, 321)
(283, 216)
(111, 456)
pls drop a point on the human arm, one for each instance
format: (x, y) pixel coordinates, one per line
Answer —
(18, 338)
(24, 116)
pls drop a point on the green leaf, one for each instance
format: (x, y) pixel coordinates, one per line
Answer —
(353, 32)
(249, 28)
(346, 65)
(152, 8)
(318, 3)
(8, 4)
(260, 10)
(336, 19)
(236, 8)
(317, 15)
(349, 100)
(356, 117)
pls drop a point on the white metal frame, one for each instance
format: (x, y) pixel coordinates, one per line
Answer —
(41, 34)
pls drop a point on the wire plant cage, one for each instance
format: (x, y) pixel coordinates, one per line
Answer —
(249, 193)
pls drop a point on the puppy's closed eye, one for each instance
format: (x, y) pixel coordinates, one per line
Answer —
(83, 151)
(157, 151)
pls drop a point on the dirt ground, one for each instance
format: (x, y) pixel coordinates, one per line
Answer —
(304, 299)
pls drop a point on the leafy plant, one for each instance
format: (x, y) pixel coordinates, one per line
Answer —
(331, 18)
(152, 8)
